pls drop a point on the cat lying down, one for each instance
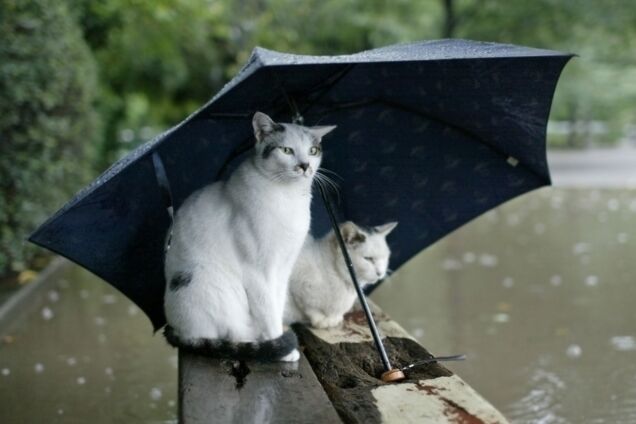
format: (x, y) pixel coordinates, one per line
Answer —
(233, 247)
(320, 288)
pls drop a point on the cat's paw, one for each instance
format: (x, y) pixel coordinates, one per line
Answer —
(334, 321)
(292, 356)
(326, 322)
(320, 323)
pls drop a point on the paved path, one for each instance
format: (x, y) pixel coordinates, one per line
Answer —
(594, 168)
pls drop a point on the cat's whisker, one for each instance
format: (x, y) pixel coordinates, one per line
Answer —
(328, 182)
(328, 185)
(331, 172)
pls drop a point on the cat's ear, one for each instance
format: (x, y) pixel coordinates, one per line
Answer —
(385, 229)
(320, 132)
(351, 233)
(264, 125)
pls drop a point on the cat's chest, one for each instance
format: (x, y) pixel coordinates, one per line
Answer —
(286, 213)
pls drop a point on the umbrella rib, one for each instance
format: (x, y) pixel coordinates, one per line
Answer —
(247, 144)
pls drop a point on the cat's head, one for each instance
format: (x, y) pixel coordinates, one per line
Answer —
(368, 250)
(287, 152)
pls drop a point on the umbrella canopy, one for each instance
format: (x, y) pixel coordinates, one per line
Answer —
(430, 134)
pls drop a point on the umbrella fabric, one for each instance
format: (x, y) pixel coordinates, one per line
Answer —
(430, 134)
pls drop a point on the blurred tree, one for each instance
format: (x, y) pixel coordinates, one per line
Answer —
(599, 86)
(47, 125)
(158, 60)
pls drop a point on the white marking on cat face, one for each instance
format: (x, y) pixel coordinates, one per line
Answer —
(287, 152)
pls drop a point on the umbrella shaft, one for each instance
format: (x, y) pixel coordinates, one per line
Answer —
(363, 300)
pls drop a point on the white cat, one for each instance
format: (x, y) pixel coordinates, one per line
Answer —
(320, 288)
(233, 247)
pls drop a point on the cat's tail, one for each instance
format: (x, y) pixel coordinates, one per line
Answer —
(268, 350)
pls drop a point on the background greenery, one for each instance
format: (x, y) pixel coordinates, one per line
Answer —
(84, 81)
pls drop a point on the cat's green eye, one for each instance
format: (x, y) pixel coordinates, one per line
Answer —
(315, 150)
(288, 150)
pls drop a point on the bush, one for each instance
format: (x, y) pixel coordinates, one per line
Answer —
(47, 122)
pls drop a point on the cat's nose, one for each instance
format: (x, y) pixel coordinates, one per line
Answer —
(303, 166)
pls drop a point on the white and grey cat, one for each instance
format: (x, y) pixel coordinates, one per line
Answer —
(233, 247)
(320, 288)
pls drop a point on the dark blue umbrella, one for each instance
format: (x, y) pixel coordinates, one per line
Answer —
(430, 134)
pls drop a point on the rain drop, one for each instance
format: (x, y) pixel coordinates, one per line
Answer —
(613, 205)
(580, 248)
(513, 220)
(83, 294)
(488, 260)
(469, 257)
(132, 310)
(508, 282)
(108, 371)
(155, 393)
(451, 264)
(38, 368)
(623, 343)
(53, 296)
(622, 238)
(100, 321)
(47, 313)
(556, 280)
(501, 318)
(6, 371)
(81, 380)
(60, 411)
(71, 361)
(418, 332)
(109, 299)
(574, 351)
(591, 280)
(539, 228)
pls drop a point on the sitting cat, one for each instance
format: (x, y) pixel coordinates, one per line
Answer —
(233, 247)
(320, 288)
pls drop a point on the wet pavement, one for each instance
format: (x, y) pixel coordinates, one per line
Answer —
(85, 353)
(540, 295)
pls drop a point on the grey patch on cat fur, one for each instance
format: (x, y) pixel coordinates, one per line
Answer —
(357, 238)
(269, 149)
(180, 280)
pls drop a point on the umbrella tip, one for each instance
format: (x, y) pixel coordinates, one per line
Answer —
(392, 376)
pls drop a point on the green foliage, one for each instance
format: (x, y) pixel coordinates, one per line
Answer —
(47, 79)
(143, 65)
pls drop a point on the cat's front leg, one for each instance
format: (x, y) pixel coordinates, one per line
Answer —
(317, 319)
(266, 316)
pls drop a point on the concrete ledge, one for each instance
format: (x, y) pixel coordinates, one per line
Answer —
(348, 367)
(222, 391)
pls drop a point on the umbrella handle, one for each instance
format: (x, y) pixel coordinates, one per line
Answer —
(390, 373)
